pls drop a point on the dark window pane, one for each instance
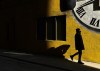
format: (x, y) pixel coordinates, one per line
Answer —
(51, 28)
(41, 29)
(61, 27)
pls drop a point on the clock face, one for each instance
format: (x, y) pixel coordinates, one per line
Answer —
(87, 13)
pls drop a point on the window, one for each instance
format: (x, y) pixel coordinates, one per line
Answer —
(51, 28)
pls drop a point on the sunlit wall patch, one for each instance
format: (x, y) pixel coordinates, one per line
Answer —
(87, 13)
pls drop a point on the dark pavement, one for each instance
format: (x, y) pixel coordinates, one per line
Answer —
(7, 64)
(11, 61)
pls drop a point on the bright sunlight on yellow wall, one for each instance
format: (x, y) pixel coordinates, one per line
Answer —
(91, 39)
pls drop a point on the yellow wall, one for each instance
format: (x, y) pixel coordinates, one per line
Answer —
(91, 39)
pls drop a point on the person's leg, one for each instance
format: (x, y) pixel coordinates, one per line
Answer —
(71, 56)
(75, 54)
(80, 54)
(79, 58)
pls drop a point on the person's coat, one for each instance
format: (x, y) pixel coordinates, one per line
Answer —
(79, 42)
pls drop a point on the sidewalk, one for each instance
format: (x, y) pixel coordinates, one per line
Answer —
(60, 64)
(91, 64)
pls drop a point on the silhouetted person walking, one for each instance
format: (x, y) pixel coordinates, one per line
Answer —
(78, 45)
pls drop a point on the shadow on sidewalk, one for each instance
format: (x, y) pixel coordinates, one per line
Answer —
(51, 62)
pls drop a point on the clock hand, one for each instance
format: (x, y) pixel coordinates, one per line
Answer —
(87, 3)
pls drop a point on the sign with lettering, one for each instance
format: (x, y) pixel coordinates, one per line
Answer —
(87, 13)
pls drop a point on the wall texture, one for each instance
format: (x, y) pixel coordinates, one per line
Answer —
(91, 39)
(18, 28)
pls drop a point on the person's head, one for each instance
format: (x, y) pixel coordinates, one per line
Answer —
(78, 30)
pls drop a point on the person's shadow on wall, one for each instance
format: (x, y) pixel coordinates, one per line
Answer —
(57, 52)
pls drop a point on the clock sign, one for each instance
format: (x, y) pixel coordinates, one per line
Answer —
(87, 13)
